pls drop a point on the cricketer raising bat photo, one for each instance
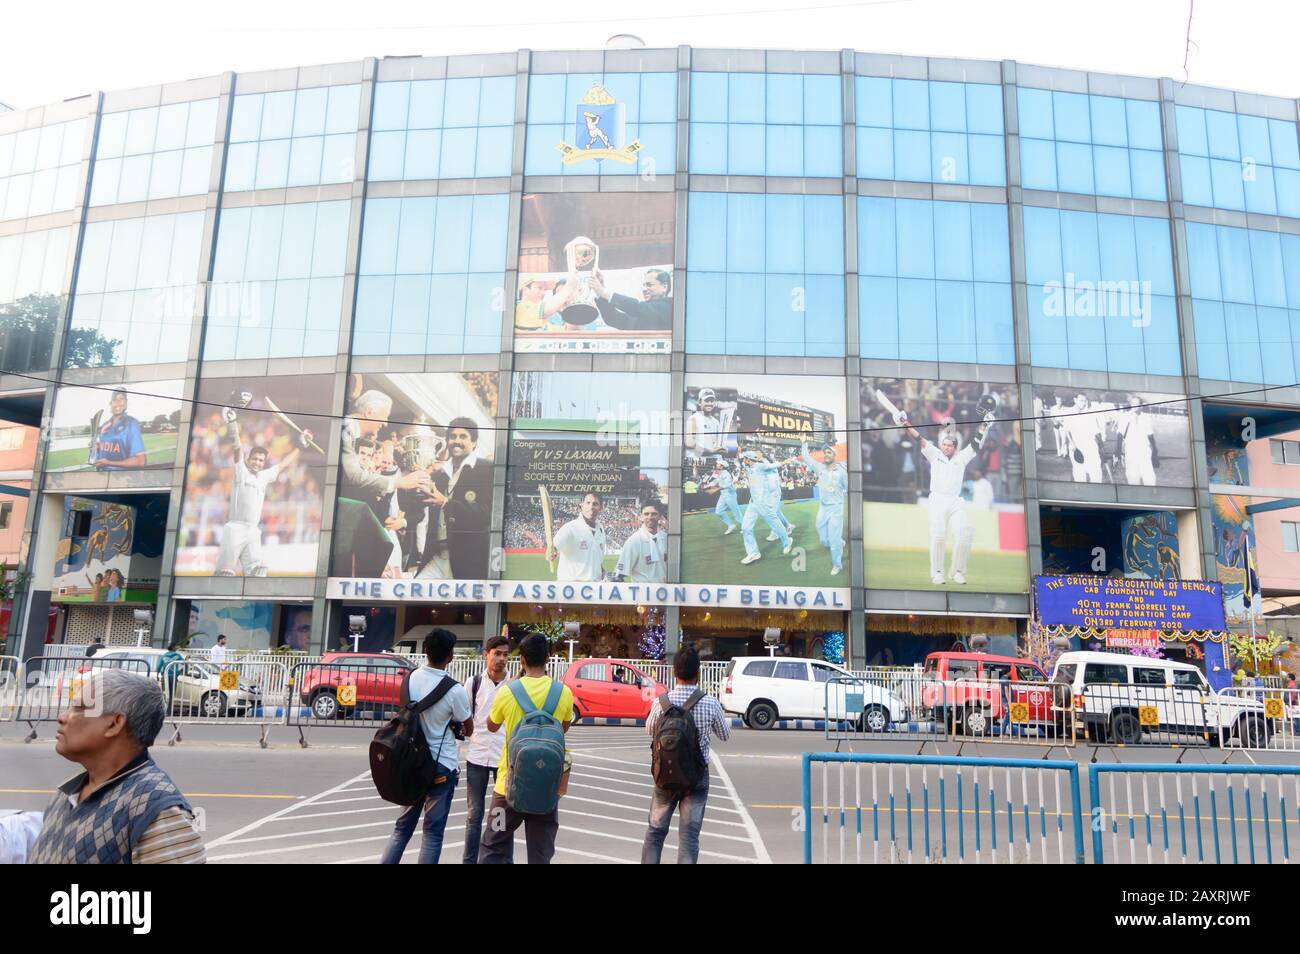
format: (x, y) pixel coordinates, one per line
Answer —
(294, 427)
(548, 523)
(898, 416)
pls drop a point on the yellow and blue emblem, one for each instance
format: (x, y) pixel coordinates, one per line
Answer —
(599, 127)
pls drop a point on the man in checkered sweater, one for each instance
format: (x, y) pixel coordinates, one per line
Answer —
(123, 809)
(709, 718)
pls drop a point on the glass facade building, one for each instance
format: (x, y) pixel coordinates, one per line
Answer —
(447, 300)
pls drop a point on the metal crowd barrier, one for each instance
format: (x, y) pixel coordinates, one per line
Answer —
(243, 693)
(50, 685)
(11, 670)
(1176, 813)
(1266, 719)
(1124, 714)
(346, 695)
(941, 809)
(858, 708)
(1002, 710)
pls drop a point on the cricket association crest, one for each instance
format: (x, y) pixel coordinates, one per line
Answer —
(598, 128)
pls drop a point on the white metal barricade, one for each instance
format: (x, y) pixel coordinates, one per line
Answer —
(241, 693)
(51, 685)
(1258, 718)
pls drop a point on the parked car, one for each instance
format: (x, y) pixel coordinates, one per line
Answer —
(609, 688)
(1122, 697)
(378, 678)
(974, 690)
(196, 689)
(763, 689)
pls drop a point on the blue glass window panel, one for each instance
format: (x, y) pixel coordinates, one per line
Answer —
(875, 153)
(745, 320)
(948, 161)
(460, 108)
(450, 250)
(1148, 170)
(783, 331)
(411, 303)
(706, 233)
(296, 241)
(1118, 248)
(496, 101)
(1234, 265)
(1229, 191)
(103, 184)
(343, 109)
(171, 127)
(784, 150)
(1034, 108)
(824, 317)
(112, 137)
(1154, 254)
(305, 160)
(1112, 171)
(494, 151)
(133, 186)
(877, 246)
(912, 155)
(1070, 114)
(990, 243)
(165, 176)
(1203, 260)
(276, 115)
(947, 107)
(448, 295)
(338, 159)
(272, 164)
(1144, 130)
(658, 98)
(994, 332)
(784, 234)
(1042, 247)
(708, 97)
(987, 160)
(1283, 142)
(487, 251)
(309, 110)
(911, 104)
(745, 149)
(482, 319)
(196, 169)
(1124, 345)
(387, 152)
(1074, 167)
(955, 304)
(540, 156)
(1080, 254)
(391, 103)
(1192, 138)
(745, 228)
(1266, 268)
(823, 151)
(329, 247)
(426, 104)
(1161, 337)
(874, 101)
(953, 255)
(379, 236)
(1038, 164)
(822, 100)
(458, 148)
(241, 166)
(708, 148)
(915, 231)
(1257, 183)
(1287, 183)
(1253, 134)
(200, 129)
(1276, 346)
(1221, 131)
(878, 317)
(984, 108)
(705, 302)
(141, 128)
(917, 320)
(1109, 121)
(546, 102)
(823, 235)
(745, 97)
(1291, 266)
(784, 99)
(659, 140)
(1244, 359)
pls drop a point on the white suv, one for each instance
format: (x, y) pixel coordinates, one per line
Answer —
(1122, 698)
(762, 689)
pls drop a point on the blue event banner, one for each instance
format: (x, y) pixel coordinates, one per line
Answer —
(1100, 602)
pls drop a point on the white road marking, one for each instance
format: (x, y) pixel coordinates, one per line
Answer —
(757, 839)
(253, 826)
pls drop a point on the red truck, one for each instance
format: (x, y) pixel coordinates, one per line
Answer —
(975, 688)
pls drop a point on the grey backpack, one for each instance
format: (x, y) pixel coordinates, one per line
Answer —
(535, 754)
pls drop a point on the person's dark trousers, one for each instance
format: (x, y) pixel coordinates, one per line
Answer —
(498, 843)
(479, 780)
(436, 807)
(662, 806)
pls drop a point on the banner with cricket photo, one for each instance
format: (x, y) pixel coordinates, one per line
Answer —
(595, 272)
(122, 429)
(764, 480)
(1132, 438)
(415, 476)
(254, 484)
(942, 486)
(586, 487)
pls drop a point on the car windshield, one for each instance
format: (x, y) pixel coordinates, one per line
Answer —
(205, 668)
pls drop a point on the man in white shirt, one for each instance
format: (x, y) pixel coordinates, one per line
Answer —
(1139, 442)
(241, 535)
(644, 557)
(703, 435)
(832, 492)
(579, 545)
(1083, 427)
(219, 653)
(981, 491)
(440, 734)
(946, 504)
(727, 507)
(483, 754)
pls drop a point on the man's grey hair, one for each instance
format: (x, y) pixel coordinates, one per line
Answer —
(138, 697)
(374, 401)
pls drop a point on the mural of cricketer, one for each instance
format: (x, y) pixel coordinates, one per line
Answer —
(832, 492)
(947, 471)
(764, 501)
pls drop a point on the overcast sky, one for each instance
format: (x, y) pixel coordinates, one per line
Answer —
(54, 51)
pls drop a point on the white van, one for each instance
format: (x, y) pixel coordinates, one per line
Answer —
(1133, 699)
(762, 689)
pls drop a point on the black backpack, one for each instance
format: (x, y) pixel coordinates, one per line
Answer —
(401, 765)
(677, 764)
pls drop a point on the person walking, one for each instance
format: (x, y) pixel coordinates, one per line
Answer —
(685, 716)
(484, 750)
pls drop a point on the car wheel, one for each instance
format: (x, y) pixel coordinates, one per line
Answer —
(762, 715)
(874, 719)
(977, 721)
(325, 705)
(1252, 731)
(1126, 728)
(212, 705)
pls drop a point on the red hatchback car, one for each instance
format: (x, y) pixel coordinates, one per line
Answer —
(378, 679)
(611, 689)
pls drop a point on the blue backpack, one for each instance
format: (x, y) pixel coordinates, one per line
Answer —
(535, 754)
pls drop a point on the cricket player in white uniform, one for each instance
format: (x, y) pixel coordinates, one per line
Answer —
(704, 428)
(727, 507)
(763, 502)
(644, 558)
(1083, 425)
(832, 491)
(946, 504)
(1140, 454)
(241, 535)
(579, 545)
